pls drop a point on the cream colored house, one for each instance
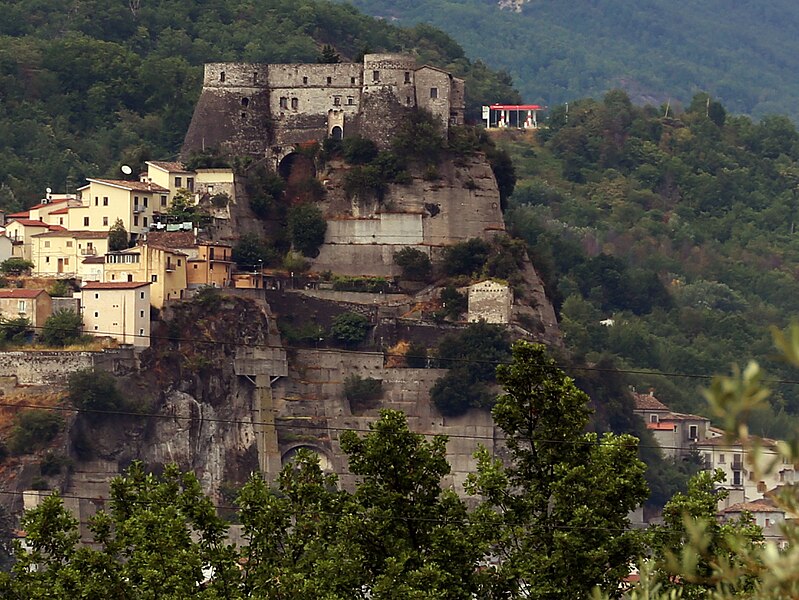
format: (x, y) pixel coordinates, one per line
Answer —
(106, 200)
(212, 266)
(34, 305)
(170, 175)
(61, 253)
(20, 231)
(163, 267)
(120, 310)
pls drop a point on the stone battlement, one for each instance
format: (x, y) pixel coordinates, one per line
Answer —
(265, 109)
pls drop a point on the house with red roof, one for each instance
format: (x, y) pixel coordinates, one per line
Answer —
(118, 309)
(20, 231)
(34, 305)
(676, 433)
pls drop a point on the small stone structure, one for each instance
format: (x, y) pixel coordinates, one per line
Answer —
(490, 301)
(266, 109)
(43, 367)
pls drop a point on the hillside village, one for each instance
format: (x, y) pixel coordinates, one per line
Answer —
(182, 227)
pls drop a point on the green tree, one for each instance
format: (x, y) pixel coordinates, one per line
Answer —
(412, 538)
(154, 541)
(329, 55)
(15, 330)
(252, 251)
(349, 329)
(557, 515)
(15, 266)
(33, 429)
(92, 390)
(62, 328)
(117, 237)
(684, 517)
(307, 227)
(466, 258)
(415, 264)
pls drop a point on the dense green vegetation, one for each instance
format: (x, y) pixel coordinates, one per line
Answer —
(682, 230)
(88, 86)
(744, 52)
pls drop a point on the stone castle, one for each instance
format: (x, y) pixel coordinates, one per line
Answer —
(266, 109)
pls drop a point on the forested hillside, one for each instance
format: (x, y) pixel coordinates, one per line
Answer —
(682, 230)
(86, 85)
(746, 53)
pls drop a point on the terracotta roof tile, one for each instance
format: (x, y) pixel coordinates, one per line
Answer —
(50, 203)
(169, 166)
(139, 186)
(172, 239)
(114, 285)
(16, 293)
(754, 506)
(31, 223)
(648, 402)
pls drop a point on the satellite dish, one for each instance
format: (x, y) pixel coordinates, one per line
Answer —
(126, 169)
(49, 190)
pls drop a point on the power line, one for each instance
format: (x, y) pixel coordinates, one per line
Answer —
(364, 513)
(306, 426)
(387, 354)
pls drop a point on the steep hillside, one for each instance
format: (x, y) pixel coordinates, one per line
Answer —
(88, 86)
(743, 52)
(682, 231)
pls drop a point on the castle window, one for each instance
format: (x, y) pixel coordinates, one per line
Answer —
(352, 80)
(304, 80)
(407, 76)
(350, 100)
(284, 102)
(222, 77)
(295, 103)
(243, 115)
(329, 80)
(408, 100)
(255, 77)
(434, 92)
(245, 102)
(336, 100)
(375, 75)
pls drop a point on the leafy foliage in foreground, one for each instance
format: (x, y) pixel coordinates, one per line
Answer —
(399, 534)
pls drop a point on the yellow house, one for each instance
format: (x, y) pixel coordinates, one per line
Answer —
(120, 310)
(21, 231)
(170, 175)
(34, 305)
(106, 200)
(61, 253)
(211, 266)
(163, 267)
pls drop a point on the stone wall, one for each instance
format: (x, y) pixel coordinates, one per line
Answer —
(490, 301)
(42, 367)
(312, 409)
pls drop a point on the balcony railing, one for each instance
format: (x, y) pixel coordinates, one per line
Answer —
(88, 251)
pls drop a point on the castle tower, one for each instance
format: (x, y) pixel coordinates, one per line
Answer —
(232, 113)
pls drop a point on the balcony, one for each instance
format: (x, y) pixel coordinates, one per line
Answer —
(88, 251)
(137, 209)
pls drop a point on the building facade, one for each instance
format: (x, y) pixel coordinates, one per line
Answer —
(34, 305)
(266, 109)
(120, 310)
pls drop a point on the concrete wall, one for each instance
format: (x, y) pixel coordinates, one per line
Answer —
(384, 228)
(53, 368)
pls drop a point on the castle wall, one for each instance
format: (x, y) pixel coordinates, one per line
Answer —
(265, 109)
(433, 92)
(53, 367)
